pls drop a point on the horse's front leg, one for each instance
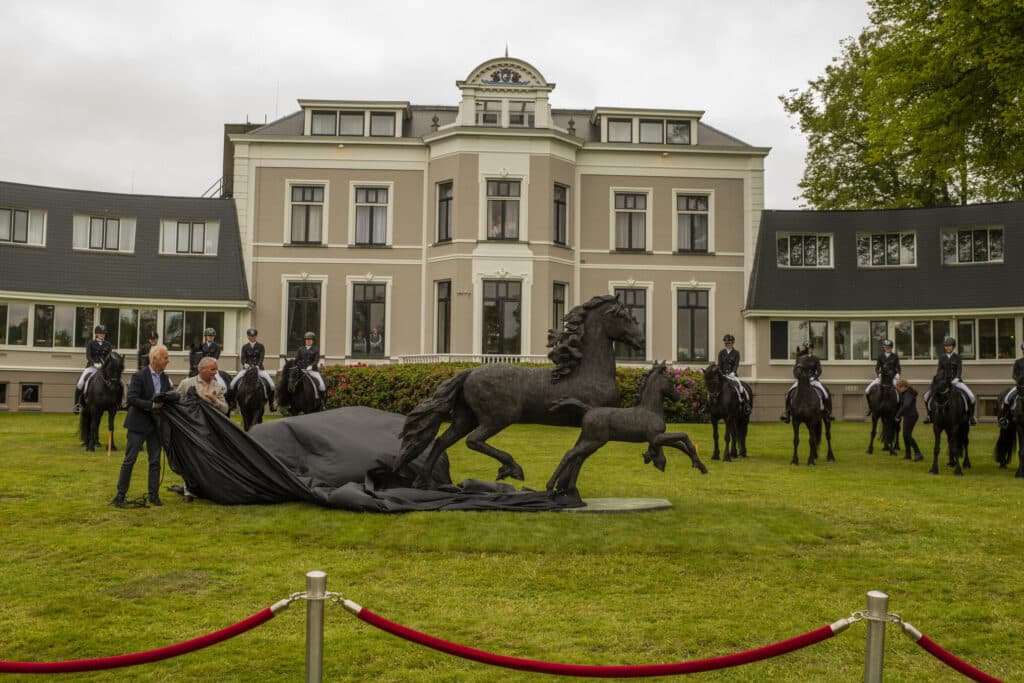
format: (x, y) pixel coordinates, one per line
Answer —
(110, 428)
(796, 442)
(965, 443)
(871, 441)
(938, 447)
(814, 439)
(477, 440)
(94, 431)
(714, 435)
(682, 442)
(828, 440)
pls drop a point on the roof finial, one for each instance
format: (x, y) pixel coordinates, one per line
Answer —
(506, 50)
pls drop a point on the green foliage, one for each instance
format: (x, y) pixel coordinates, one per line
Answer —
(923, 108)
(398, 388)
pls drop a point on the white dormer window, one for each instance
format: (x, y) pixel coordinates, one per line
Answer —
(488, 112)
(677, 132)
(382, 124)
(186, 237)
(620, 130)
(652, 132)
(324, 123)
(520, 114)
(103, 233)
(22, 226)
(350, 123)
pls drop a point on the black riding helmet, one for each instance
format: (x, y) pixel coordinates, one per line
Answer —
(152, 335)
(251, 332)
(887, 343)
(729, 338)
(100, 329)
(209, 332)
(949, 341)
(309, 335)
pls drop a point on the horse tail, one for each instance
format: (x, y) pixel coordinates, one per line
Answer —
(422, 423)
(573, 403)
(84, 425)
(1004, 445)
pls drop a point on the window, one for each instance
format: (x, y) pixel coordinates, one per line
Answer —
(859, 339)
(995, 338)
(502, 316)
(307, 213)
(965, 339)
(886, 249)
(54, 326)
(502, 209)
(351, 123)
(84, 317)
(558, 306)
(620, 130)
(103, 233)
(635, 301)
(368, 316)
(183, 330)
(444, 212)
(677, 132)
(444, 317)
(188, 236)
(786, 335)
(652, 132)
(980, 245)
(371, 216)
(303, 313)
(21, 226)
(630, 221)
(920, 339)
(692, 334)
(692, 219)
(382, 124)
(14, 321)
(324, 123)
(520, 114)
(191, 237)
(30, 393)
(488, 112)
(561, 219)
(804, 251)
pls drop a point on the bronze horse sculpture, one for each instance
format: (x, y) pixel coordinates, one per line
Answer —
(951, 416)
(482, 401)
(807, 407)
(883, 402)
(724, 405)
(643, 423)
(102, 395)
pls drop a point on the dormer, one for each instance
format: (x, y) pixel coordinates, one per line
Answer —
(353, 118)
(647, 126)
(505, 93)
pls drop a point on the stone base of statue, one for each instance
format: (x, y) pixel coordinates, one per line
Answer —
(611, 505)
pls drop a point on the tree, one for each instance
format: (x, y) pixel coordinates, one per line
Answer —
(924, 108)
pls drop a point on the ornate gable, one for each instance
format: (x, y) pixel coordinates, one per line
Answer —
(505, 74)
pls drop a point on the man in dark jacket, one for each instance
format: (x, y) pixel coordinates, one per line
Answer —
(146, 387)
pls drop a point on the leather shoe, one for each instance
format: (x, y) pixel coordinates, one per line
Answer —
(118, 501)
(189, 497)
(155, 501)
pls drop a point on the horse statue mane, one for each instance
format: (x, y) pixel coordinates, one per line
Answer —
(644, 378)
(566, 352)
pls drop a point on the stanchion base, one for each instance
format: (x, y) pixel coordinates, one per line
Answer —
(622, 505)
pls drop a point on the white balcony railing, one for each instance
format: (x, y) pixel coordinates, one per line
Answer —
(508, 358)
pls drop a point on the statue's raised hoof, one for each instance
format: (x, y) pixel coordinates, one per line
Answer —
(513, 470)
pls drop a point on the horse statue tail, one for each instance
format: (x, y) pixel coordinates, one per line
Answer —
(573, 403)
(421, 424)
(1005, 445)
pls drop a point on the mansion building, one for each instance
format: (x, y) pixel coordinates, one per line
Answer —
(399, 232)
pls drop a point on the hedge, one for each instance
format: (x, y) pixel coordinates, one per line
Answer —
(399, 388)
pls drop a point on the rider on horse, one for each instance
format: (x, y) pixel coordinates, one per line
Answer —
(951, 367)
(729, 365)
(306, 358)
(211, 349)
(153, 339)
(96, 351)
(807, 349)
(1018, 379)
(887, 361)
(252, 359)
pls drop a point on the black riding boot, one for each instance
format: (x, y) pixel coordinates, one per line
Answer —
(273, 406)
(973, 421)
(828, 410)
(1004, 415)
(78, 400)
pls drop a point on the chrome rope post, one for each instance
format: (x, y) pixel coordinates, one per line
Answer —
(316, 592)
(876, 617)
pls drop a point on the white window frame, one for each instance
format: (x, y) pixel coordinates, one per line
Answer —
(286, 237)
(353, 185)
(647, 286)
(211, 236)
(789, 234)
(710, 194)
(633, 132)
(692, 286)
(350, 113)
(80, 227)
(648, 220)
(956, 231)
(286, 279)
(884, 233)
(35, 229)
(524, 203)
(323, 112)
(388, 282)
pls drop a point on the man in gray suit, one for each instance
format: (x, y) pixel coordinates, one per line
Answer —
(141, 423)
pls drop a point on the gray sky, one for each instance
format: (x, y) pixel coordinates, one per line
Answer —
(132, 96)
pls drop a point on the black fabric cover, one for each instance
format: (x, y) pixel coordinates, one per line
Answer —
(339, 458)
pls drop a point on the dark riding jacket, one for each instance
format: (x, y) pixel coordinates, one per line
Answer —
(210, 349)
(252, 354)
(1018, 371)
(729, 361)
(97, 350)
(891, 361)
(951, 366)
(144, 355)
(307, 357)
(814, 364)
(908, 404)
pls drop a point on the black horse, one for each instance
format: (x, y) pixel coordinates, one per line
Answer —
(807, 407)
(102, 395)
(724, 405)
(296, 391)
(251, 398)
(949, 414)
(644, 422)
(883, 402)
(195, 355)
(1012, 435)
(482, 401)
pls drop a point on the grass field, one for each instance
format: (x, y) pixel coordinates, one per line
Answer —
(754, 552)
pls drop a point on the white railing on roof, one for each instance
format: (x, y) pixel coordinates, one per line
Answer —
(509, 358)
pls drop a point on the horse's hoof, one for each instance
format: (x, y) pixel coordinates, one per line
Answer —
(918, 458)
(715, 457)
(869, 452)
(513, 470)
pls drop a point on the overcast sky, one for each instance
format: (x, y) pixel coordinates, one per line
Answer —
(132, 96)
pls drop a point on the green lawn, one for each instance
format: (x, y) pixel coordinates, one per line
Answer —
(754, 552)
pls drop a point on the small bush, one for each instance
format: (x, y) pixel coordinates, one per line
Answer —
(399, 388)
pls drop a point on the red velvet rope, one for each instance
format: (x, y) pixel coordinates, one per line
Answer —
(594, 671)
(139, 657)
(954, 662)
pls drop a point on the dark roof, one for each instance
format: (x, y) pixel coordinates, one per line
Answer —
(58, 269)
(927, 285)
